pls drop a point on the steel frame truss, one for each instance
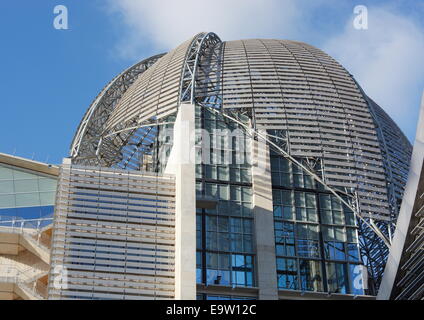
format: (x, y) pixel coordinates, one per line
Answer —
(254, 133)
(85, 143)
(188, 79)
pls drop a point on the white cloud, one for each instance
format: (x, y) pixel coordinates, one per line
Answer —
(387, 61)
(167, 23)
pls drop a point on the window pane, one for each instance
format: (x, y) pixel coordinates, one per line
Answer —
(353, 252)
(27, 199)
(327, 216)
(211, 172)
(211, 190)
(224, 241)
(47, 184)
(26, 185)
(285, 180)
(235, 225)
(7, 201)
(276, 197)
(47, 198)
(223, 173)
(325, 202)
(245, 176)
(287, 213)
(223, 192)
(235, 174)
(235, 193)
(6, 173)
(339, 234)
(356, 276)
(337, 277)
(6, 186)
(247, 194)
(222, 224)
(277, 212)
(211, 223)
(310, 275)
(287, 198)
(18, 174)
(338, 217)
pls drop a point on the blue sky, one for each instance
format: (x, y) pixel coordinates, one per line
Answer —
(50, 77)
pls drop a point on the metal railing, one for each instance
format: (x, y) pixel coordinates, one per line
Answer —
(29, 283)
(31, 229)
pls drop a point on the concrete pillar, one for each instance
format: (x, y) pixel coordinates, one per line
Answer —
(266, 269)
(405, 214)
(181, 163)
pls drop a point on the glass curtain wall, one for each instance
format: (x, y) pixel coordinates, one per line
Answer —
(25, 194)
(225, 249)
(316, 235)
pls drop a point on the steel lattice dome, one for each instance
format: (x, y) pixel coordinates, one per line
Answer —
(282, 85)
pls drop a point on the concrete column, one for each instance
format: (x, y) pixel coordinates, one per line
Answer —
(181, 163)
(405, 213)
(266, 269)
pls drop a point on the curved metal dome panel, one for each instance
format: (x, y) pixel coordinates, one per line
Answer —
(89, 132)
(155, 93)
(286, 86)
(295, 88)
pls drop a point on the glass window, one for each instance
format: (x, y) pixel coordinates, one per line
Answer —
(245, 175)
(353, 252)
(199, 267)
(218, 277)
(310, 275)
(235, 225)
(30, 185)
(211, 190)
(235, 193)
(285, 179)
(223, 241)
(337, 277)
(287, 212)
(352, 235)
(357, 279)
(6, 186)
(308, 248)
(287, 198)
(46, 184)
(276, 197)
(247, 209)
(223, 192)
(335, 250)
(222, 224)
(6, 173)
(47, 198)
(211, 241)
(287, 274)
(211, 223)
(277, 212)
(18, 174)
(349, 216)
(223, 173)
(235, 208)
(326, 216)
(236, 243)
(27, 199)
(338, 217)
(246, 194)
(235, 174)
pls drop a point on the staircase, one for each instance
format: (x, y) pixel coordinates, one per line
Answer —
(21, 275)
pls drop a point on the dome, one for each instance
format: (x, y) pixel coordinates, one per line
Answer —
(282, 85)
(288, 88)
